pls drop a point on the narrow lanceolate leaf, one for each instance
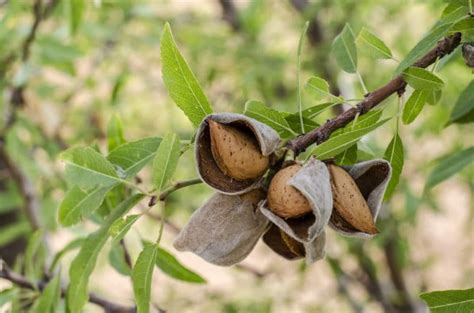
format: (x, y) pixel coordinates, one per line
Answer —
(142, 275)
(348, 156)
(48, 301)
(34, 257)
(395, 155)
(450, 301)
(449, 166)
(414, 105)
(269, 116)
(166, 160)
(366, 120)
(336, 145)
(84, 263)
(368, 43)
(75, 244)
(295, 123)
(171, 266)
(180, 81)
(79, 204)
(317, 109)
(464, 106)
(464, 26)
(425, 44)
(118, 259)
(345, 51)
(120, 227)
(87, 168)
(76, 11)
(319, 89)
(13, 231)
(131, 157)
(8, 295)
(433, 96)
(419, 78)
(115, 136)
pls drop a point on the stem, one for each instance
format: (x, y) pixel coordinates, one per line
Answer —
(322, 133)
(359, 77)
(162, 221)
(181, 184)
(298, 74)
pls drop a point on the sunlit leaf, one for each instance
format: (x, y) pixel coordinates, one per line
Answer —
(345, 51)
(319, 89)
(8, 295)
(84, 263)
(48, 301)
(464, 105)
(414, 105)
(172, 267)
(142, 275)
(74, 244)
(433, 96)
(76, 11)
(269, 116)
(166, 160)
(13, 231)
(370, 44)
(120, 227)
(348, 156)
(34, 255)
(118, 261)
(395, 155)
(317, 109)
(449, 301)
(295, 123)
(419, 78)
(132, 156)
(115, 136)
(449, 166)
(180, 81)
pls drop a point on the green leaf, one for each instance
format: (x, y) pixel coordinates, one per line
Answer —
(422, 47)
(348, 156)
(449, 166)
(84, 263)
(317, 109)
(131, 157)
(345, 51)
(171, 266)
(363, 121)
(142, 275)
(120, 227)
(118, 261)
(295, 123)
(433, 96)
(13, 231)
(10, 199)
(414, 105)
(419, 78)
(87, 168)
(450, 301)
(395, 155)
(166, 160)
(370, 44)
(464, 26)
(464, 105)
(34, 255)
(48, 301)
(76, 11)
(269, 116)
(8, 295)
(319, 89)
(115, 136)
(336, 145)
(76, 243)
(180, 81)
(78, 204)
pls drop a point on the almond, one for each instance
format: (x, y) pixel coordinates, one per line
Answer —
(285, 200)
(350, 208)
(236, 152)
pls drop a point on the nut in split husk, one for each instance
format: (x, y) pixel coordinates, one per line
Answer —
(225, 229)
(350, 208)
(358, 194)
(233, 152)
(287, 201)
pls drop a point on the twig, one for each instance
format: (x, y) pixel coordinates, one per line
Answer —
(322, 133)
(23, 282)
(165, 193)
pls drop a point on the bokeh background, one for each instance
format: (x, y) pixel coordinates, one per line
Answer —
(73, 83)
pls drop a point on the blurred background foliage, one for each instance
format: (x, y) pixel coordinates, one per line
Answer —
(83, 68)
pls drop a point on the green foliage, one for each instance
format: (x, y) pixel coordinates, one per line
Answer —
(345, 50)
(72, 245)
(180, 81)
(368, 43)
(319, 89)
(118, 261)
(115, 135)
(13, 231)
(75, 11)
(421, 79)
(120, 227)
(48, 301)
(171, 266)
(414, 105)
(7, 295)
(448, 166)
(463, 111)
(269, 116)
(142, 275)
(449, 301)
(166, 161)
(396, 156)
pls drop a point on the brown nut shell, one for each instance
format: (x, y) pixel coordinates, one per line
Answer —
(351, 211)
(285, 200)
(236, 152)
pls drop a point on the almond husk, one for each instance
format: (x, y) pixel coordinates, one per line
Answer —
(207, 167)
(371, 178)
(313, 182)
(349, 204)
(236, 152)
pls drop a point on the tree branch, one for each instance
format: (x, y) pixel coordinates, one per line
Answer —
(322, 133)
(23, 282)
